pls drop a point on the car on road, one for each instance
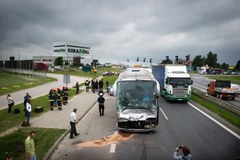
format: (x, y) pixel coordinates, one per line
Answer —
(108, 73)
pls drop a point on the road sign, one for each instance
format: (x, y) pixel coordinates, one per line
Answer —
(66, 78)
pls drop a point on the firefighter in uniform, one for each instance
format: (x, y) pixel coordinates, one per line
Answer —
(59, 99)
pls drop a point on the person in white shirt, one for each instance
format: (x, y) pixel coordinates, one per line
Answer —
(10, 103)
(28, 111)
(73, 120)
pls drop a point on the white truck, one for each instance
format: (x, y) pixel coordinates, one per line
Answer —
(137, 93)
(174, 81)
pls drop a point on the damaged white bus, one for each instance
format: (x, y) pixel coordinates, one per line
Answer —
(137, 93)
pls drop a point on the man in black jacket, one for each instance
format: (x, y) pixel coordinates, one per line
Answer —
(101, 101)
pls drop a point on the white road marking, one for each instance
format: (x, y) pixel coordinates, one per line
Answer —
(214, 120)
(164, 114)
(113, 146)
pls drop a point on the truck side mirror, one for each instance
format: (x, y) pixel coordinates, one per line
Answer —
(208, 85)
(166, 81)
(191, 82)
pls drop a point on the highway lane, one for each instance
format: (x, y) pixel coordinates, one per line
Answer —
(182, 124)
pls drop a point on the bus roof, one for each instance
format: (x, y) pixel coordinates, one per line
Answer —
(136, 74)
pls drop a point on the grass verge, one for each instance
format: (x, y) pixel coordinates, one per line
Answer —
(12, 82)
(13, 144)
(230, 117)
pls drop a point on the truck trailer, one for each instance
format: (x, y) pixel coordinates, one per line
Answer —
(137, 93)
(175, 82)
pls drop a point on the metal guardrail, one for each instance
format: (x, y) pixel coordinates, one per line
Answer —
(216, 101)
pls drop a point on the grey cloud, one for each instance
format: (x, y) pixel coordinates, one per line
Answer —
(125, 29)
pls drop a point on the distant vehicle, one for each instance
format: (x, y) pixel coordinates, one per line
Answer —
(226, 73)
(110, 90)
(222, 89)
(215, 71)
(108, 73)
(39, 66)
(93, 70)
(58, 68)
(174, 81)
(137, 93)
(234, 73)
(203, 70)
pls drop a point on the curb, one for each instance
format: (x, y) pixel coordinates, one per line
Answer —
(53, 148)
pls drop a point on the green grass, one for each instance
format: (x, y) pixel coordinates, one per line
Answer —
(11, 82)
(234, 79)
(13, 144)
(110, 79)
(232, 118)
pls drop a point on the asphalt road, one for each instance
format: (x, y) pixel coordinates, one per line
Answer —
(40, 90)
(200, 82)
(179, 123)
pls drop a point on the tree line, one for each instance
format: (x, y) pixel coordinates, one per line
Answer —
(212, 61)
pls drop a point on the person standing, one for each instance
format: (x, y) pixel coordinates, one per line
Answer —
(186, 153)
(77, 88)
(107, 84)
(101, 101)
(30, 146)
(87, 85)
(26, 97)
(73, 120)
(28, 111)
(10, 103)
(100, 84)
(93, 85)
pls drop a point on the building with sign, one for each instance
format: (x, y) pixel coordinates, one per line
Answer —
(73, 53)
(70, 49)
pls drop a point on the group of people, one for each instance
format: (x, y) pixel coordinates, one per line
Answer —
(58, 97)
(97, 84)
(27, 107)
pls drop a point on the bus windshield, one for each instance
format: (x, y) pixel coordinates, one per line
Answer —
(136, 94)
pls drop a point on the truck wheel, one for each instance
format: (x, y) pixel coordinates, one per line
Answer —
(218, 96)
(233, 98)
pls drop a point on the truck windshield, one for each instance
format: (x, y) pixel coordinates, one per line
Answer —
(223, 84)
(136, 94)
(180, 81)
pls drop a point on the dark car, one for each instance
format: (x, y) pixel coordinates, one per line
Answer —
(108, 73)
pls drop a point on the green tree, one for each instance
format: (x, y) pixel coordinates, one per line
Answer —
(225, 66)
(238, 66)
(198, 61)
(167, 61)
(211, 59)
(58, 61)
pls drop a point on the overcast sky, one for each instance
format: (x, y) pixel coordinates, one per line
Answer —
(123, 29)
